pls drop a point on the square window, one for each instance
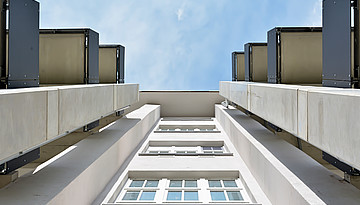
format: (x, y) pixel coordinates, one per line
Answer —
(229, 183)
(217, 148)
(191, 196)
(175, 183)
(206, 148)
(147, 196)
(234, 196)
(218, 196)
(214, 183)
(174, 196)
(190, 183)
(137, 183)
(131, 195)
(152, 183)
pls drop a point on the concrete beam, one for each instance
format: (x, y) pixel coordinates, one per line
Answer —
(32, 117)
(286, 174)
(85, 168)
(325, 117)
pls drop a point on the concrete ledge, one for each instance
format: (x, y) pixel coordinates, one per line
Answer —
(35, 116)
(285, 174)
(325, 117)
(84, 169)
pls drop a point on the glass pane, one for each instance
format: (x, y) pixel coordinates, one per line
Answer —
(180, 152)
(214, 183)
(154, 152)
(218, 152)
(234, 196)
(137, 183)
(152, 183)
(131, 195)
(217, 195)
(208, 152)
(206, 148)
(190, 183)
(174, 196)
(147, 195)
(175, 183)
(164, 152)
(191, 196)
(217, 148)
(191, 152)
(230, 183)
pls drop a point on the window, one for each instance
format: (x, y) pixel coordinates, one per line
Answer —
(225, 190)
(139, 190)
(187, 128)
(183, 190)
(186, 150)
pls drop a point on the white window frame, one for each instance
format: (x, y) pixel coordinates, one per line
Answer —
(127, 188)
(203, 190)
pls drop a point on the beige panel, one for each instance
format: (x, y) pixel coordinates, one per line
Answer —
(301, 61)
(107, 65)
(23, 120)
(61, 58)
(240, 58)
(259, 62)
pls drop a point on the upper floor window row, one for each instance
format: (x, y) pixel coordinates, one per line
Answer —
(187, 129)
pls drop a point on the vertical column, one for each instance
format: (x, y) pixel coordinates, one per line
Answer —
(3, 44)
(337, 43)
(121, 71)
(272, 56)
(234, 63)
(92, 57)
(247, 50)
(23, 44)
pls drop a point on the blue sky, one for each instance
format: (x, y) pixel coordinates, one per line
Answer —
(179, 44)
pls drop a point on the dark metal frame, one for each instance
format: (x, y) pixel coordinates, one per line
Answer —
(20, 161)
(120, 61)
(340, 165)
(249, 60)
(23, 58)
(91, 48)
(234, 64)
(274, 49)
(337, 70)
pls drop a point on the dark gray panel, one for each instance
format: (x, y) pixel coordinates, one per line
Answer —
(2, 44)
(247, 51)
(121, 65)
(272, 55)
(233, 63)
(23, 43)
(336, 83)
(93, 57)
(336, 41)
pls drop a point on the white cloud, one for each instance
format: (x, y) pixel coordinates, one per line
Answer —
(179, 14)
(315, 18)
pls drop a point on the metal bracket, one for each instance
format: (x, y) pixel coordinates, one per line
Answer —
(274, 127)
(20, 161)
(340, 165)
(91, 126)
